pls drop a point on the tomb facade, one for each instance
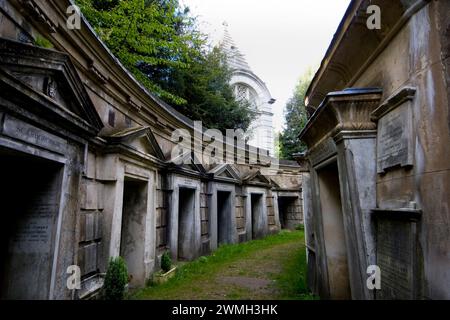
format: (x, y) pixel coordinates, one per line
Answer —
(87, 174)
(380, 118)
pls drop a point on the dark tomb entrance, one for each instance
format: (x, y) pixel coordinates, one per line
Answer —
(287, 208)
(132, 244)
(334, 232)
(29, 196)
(224, 227)
(257, 216)
(186, 234)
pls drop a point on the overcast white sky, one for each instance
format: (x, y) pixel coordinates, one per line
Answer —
(280, 38)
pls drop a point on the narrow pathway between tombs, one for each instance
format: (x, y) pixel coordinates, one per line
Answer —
(271, 268)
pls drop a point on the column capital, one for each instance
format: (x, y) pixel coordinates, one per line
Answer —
(343, 114)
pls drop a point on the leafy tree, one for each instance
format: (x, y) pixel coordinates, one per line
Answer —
(158, 41)
(296, 118)
(211, 99)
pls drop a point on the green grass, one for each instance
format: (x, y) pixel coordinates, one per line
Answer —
(190, 276)
(292, 281)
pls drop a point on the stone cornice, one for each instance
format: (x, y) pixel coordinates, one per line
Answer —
(97, 63)
(403, 95)
(354, 46)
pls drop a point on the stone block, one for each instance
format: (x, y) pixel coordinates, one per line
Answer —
(240, 212)
(90, 166)
(100, 196)
(159, 198)
(107, 168)
(204, 213)
(240, 223)
(161, 237)
(159, 181)
(240, 201)
(203, 200)
(271, 220)
(161, 217)
(164, 217)
(87, 258)
(98, 225)
(242, 237)
(158, 218)
(90, 226)
(89, 195)
(204, 227)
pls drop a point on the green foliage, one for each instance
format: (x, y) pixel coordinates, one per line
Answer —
(43, 42)
(300, 227)
(188, 274)
(115, 280)
(105, 5)
(296, 118)
(293, 280)
(211, 99)
(166, 262)
(158, 42)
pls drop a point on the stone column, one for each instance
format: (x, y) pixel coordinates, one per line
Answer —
(341, 127)
(357, 175)
(355, 138)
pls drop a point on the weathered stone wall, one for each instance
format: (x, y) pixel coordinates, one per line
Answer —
(161, 215)
(392, 150)
(114, 151)
(91, 222)
(271, 213)
(240, 214)
(204, 194)
(416, 57)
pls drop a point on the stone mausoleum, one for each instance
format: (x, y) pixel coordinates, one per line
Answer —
(86, 170)
(378, 137)
(248, 86)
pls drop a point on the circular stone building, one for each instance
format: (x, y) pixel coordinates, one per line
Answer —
(247, 85)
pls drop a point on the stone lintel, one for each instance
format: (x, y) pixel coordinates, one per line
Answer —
(357, 134)
(404, 214)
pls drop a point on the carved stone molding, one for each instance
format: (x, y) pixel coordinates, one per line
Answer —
(36, 11)
(344, 111)
(398, 98)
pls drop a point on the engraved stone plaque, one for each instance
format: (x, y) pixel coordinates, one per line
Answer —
(18, 129)
(395, 138)
(396, 259)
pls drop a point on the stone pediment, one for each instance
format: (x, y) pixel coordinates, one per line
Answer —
(274, 184)
(49, 77)
(257, 178)
(139, 138)
(188, 162)
(225, 172)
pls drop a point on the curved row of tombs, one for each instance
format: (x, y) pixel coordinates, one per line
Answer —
(88, 172)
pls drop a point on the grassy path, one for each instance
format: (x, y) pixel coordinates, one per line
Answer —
(271, 268)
